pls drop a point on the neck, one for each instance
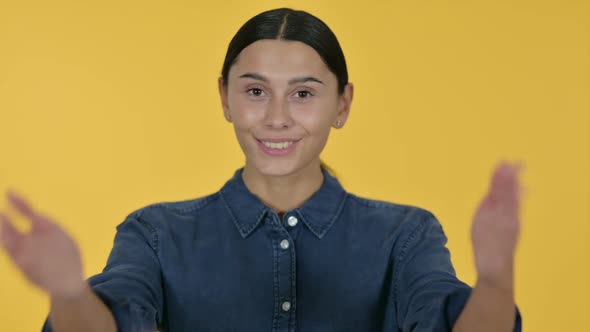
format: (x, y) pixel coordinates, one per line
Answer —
(285, 192)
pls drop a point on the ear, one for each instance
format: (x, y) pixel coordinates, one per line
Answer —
(223, 95)
(345, 100)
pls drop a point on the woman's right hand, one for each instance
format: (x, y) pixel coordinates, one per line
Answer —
(46, 255)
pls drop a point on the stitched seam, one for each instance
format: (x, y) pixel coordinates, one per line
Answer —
(228, 209)
(275, 280)
(279, 299)
(155, 246)
(293, 287)
(401, 261)
(197, 204)
(378, 203)
(258, 218)
(336, 215)
(315, 231)
(152, 231)
(320, 231)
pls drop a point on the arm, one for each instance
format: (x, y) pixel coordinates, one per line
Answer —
(127, 293)
(429, 296)
(427, 293)
(49, 258)
(84, 312)
(489, 308)
(495, 230)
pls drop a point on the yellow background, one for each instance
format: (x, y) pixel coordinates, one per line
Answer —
(108, 106)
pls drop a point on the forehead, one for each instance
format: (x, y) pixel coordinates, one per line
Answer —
(279, 58)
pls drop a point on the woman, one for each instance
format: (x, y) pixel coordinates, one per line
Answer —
(282, 246)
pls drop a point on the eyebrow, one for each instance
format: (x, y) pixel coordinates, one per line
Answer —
(295, 80)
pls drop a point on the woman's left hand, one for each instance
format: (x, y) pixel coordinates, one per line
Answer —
(496, 226)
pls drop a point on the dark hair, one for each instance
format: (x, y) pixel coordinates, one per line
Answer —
(293, 25)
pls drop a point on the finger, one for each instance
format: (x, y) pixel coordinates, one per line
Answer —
(10, 237)
(505, 178)
(505, 186)
(519, 166)
(23, 207)
(520, 189)
(20, 204)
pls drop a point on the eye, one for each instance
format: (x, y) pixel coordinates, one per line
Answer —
(256, 92)
(303, 94)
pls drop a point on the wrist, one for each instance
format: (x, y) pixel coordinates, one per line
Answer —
(496, 273)
(500, 283)
(73, 293)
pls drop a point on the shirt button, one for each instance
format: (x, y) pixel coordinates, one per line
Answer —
(292, 221)
(286, 306)
(285, 244)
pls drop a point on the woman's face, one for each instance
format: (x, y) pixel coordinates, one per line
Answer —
(283, 101)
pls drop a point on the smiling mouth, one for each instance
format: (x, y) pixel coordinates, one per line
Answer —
(279, 145)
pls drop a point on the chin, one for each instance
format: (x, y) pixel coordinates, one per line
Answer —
(278, 168)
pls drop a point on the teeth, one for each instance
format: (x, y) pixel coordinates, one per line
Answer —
(282, 145)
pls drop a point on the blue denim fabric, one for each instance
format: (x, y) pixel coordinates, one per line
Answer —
(216, 263)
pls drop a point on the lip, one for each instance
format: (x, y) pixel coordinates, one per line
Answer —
(277, 152)
(277, 140)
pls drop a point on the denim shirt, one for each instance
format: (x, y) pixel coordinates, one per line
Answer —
(226, 262)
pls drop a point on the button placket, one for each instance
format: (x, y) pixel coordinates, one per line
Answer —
(284, 269)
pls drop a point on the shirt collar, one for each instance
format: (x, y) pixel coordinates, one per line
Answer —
(319, 212)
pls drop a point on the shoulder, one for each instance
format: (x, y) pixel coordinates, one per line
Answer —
(167, 210)
(406, 220)
(165, 221)
(396, 210)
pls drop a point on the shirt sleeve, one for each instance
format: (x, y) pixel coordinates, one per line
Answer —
(427, 293)
(130, 283)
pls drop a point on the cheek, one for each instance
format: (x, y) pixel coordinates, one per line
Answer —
(245, 114)
(316, 119)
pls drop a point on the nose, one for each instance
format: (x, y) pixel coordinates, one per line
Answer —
(277, 114)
